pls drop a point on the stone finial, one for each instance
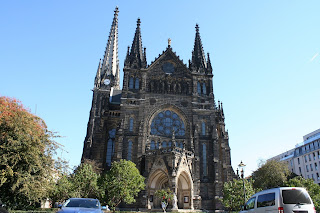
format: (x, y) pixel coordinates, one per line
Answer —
(169, 42)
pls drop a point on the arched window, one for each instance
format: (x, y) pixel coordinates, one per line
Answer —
(136, 85)
(204, 159)
(199, 88)
(204, 89)
(152, 145)
(169, 144)
(165, 123)
(131, 83)
(131, 124)
(164, 144)
(109, 151)
(203, 128)
(129, 150)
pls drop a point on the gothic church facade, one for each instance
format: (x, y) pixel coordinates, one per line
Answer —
(164, 119)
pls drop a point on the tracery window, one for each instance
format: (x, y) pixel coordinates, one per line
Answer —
(152, 145)
(204, 159)
(136, 85)
(199, 88)
(131, 83)
(204, 89)
(131, 124)
(165, 123)
(110, 146)
(203, 128)
(129, 150)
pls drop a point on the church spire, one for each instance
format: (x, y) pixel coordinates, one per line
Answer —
(97, 80)
(137, 57)
(110, 64)
(198, 57)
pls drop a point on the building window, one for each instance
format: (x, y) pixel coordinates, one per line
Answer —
(305, 159)
(204, 89)
(307, 168)
(131, 124)
(203, 128)
(311, 168)
(315, 166)
(199, 88)
(131, 83)
(204, 159)
(300, 170)
(164, 144)
(318, 154)
(152, 145)
(299, 161)
(110, 146)
(314, 156)
(312, 176)
(318, 176)
(136, 85)
(165, 123)
(129, 150)
(309, 157)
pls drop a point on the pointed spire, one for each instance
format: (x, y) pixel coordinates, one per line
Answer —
(97, 80)
(209, 67)
(110, 64)
(137, 57)
(198, 57)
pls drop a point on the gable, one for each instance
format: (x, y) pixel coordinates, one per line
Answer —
(168, 64)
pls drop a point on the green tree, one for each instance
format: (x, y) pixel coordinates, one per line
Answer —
(233, 194)
(122, 183)
(312, 188)
(82, 183)
(26, 150)
(85, 181)
(271, 174)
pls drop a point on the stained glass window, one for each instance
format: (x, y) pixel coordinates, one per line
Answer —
(199, 88)
(110, 146)
(152, 145)
(131, 83)
(203, 128)
(204, 89)
(129, 150)
(204, 159)
(136, 85)
(165, 123)
(131, 124)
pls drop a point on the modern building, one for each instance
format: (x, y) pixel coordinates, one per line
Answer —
(304, 159)
(164, 119)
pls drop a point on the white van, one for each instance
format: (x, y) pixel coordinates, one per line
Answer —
(280, 200)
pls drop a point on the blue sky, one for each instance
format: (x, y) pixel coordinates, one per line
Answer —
(265, 56)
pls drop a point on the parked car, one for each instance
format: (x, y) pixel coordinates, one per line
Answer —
(280, 200)
(79, 205)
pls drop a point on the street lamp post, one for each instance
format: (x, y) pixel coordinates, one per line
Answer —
(241, 168)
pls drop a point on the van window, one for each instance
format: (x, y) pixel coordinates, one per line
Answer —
(250, 203)
(266, 200)
(295, 196)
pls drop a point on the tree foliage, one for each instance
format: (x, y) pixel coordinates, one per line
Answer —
(122, 183)
(82, 183)
(26, 150)
(271, 174)
(312, 188)
(233, 193)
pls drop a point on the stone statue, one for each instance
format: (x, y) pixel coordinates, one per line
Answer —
(174, 201)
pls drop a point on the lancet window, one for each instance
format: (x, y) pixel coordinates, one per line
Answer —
(110, 146)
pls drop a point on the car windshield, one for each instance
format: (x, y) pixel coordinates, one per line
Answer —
(84, 203)
(295, 196)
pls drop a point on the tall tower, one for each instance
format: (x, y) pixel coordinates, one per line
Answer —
(164, 119)
(106, 93)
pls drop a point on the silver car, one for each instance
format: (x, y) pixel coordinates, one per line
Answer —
(280, 200)
(79, 205)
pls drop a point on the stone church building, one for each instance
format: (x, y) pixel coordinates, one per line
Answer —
(164, 119)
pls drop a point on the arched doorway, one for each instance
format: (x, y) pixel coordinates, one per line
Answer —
(184, 191)
(158, 180)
